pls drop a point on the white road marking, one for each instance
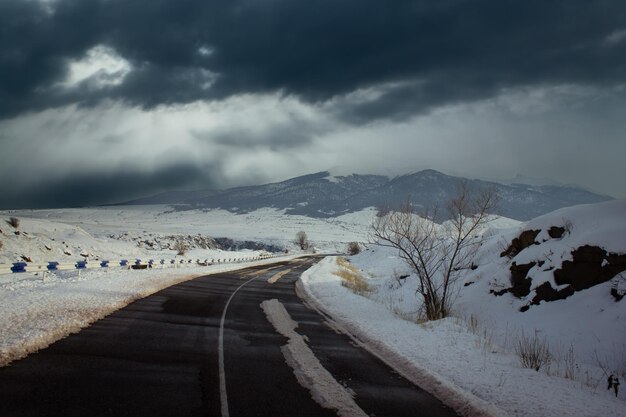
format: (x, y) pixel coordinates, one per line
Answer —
(220, 351)
(262, 271)
(278, 276)
(309, 372)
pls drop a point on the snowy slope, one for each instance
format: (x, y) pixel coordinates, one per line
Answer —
(41, 240)
(474, 375)
(591, 319)
(475, 349)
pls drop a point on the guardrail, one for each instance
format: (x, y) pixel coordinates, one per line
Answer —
(51, 266)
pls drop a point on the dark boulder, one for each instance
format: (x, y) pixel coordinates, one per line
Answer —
(520, 284)
(588, 267)
(617, 294)
(545, 292)
(556, 232)
(518, 244)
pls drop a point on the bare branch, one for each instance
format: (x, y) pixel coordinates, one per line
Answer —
(437, 253)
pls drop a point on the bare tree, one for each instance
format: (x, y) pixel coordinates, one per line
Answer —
(302, 240)
(438, 253)
(14, 222)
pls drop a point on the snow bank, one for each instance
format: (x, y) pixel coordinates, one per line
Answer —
(590, 321)
(472, 376)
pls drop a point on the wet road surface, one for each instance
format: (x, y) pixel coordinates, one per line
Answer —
(204, 348)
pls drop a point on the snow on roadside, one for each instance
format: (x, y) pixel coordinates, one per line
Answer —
(33, 315)
(451, 362)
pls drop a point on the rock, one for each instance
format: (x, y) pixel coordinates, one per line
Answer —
(545, 292)
(26, 258)
(616, 294)
(590, 265)
(520, 284)
(498, 293)
(586, 269)
(616, 265)
(556, 232)
(518, 244)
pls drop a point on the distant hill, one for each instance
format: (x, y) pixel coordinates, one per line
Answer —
(323, 195)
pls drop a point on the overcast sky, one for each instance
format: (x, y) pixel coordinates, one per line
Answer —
(107, 100)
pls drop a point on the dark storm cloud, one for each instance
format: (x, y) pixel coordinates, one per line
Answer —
(447, 51)
(83, 189)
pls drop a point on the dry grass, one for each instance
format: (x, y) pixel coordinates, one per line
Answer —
(350, 277)
(14, 222)
(533, 351)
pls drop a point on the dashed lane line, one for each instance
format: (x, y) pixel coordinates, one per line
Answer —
(262, 271)
(278, 276)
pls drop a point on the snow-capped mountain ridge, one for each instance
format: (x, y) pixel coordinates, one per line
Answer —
(323, 195)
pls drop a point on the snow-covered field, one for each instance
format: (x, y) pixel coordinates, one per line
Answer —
(118, 230)
(34, 313)
(468, 360)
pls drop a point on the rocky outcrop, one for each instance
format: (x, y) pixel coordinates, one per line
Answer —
(545, 292)
(518, 244)
(230, 244)
(520, 283)
(590, 266)
(556, 232)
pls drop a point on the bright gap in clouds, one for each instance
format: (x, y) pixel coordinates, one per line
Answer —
(101, 65)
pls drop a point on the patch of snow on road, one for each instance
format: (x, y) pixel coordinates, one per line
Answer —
(325, 389)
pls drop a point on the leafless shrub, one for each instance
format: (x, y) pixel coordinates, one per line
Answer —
(570, 364)
(438, 254)
(180, 247)
(353, 248)
(568, 226)
(472, 323)
(399, 278)
(14, 222)
(613, 362)
(302, 240)
(533, 351)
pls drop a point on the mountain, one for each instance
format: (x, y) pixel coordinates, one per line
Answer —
(323, 195)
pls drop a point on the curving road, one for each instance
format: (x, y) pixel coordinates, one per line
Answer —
(233, 344)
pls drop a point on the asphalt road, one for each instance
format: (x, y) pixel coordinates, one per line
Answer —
(204, 348)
